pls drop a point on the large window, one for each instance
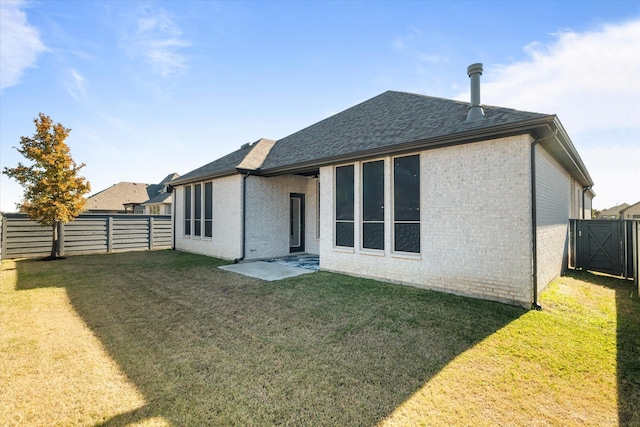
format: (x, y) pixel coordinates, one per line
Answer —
(344, 206)
(187, 210)
(196, 203)
(208, 209)
(373, 205)
(197, 210)
(406, 204)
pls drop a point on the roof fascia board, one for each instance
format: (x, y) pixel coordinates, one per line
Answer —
(200, 178)
(569, 155)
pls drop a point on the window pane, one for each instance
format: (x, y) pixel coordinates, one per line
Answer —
(197, 209)
(208, 200)
(187, 209)
(406, 188)
(344, 192)
(373, 235)
(373, 191)
(407, 238)
(197, 199)
(208, 209)
(344, 234)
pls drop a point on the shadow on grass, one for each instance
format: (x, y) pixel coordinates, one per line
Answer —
(209, 347)
(628, 343)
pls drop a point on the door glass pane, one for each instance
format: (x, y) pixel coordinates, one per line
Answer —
(294, 234)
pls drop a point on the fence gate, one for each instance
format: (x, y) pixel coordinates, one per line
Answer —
(606, 246)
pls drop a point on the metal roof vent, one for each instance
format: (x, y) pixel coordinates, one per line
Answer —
(475, 109)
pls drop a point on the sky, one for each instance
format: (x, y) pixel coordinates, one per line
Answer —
(150, 88)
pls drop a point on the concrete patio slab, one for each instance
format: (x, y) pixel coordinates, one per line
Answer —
(268, 271)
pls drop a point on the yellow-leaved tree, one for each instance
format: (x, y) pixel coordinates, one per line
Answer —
(53, 190)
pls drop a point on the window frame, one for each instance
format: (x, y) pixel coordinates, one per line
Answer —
(208, 210)
(365, 223)
(394, 202)
(188, 209)
(344, 221)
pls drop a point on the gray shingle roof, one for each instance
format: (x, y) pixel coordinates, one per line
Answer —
(385, 121)
(247, 156)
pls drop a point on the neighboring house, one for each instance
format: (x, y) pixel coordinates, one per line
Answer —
(631, 212)
(612, 213)
(405, 188)
(160, 203)
(129, 198)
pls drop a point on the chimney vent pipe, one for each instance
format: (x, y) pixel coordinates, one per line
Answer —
(475, 109)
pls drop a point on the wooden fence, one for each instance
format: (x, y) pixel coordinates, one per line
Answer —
(87, 234)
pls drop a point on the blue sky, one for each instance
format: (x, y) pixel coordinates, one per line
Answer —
(155, 87)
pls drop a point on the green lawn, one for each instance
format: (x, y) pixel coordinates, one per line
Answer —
(167, 338)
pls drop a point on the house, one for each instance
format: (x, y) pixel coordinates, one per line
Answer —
(612, 213)
(435, 193)
(160, 203)
(132, 197)
(630, 212)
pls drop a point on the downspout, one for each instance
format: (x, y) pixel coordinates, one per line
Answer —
(173, 218)
(534, 221)
(584, 191)
(244, 217)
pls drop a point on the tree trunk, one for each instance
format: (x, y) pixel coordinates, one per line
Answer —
(54, 242)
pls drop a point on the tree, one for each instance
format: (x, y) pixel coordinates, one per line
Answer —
(53, 190)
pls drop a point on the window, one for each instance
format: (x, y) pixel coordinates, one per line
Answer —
(197, 209)
(344, 206)
(187, 210)
(406, 204)
(373, 205)
(208, 209)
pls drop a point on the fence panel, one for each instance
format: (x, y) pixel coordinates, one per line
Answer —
(87, 234)
(607, 246)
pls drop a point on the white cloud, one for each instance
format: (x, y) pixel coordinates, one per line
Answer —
(20, 43)
(158, 39)
(77, 85)
(414, 36)
(591, 80)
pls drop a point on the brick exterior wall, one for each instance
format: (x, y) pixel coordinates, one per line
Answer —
(227, 221)
(268, 214)
(475, 224)
(555, 194)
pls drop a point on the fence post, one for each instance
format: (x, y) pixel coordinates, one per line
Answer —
(61, 238)
(3, 236)
(109, 234)
(151, 225)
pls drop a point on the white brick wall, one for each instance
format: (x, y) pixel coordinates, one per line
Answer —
(476, 224)
(227, 221)
(268, 214)
(555, 194)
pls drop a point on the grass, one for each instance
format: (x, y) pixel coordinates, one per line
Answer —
(167, 338)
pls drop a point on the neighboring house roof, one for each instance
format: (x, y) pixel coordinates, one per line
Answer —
(613, 211)
(162, 198)
(396, 122)
(632, 210)
(130, 193)
(114, 197)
